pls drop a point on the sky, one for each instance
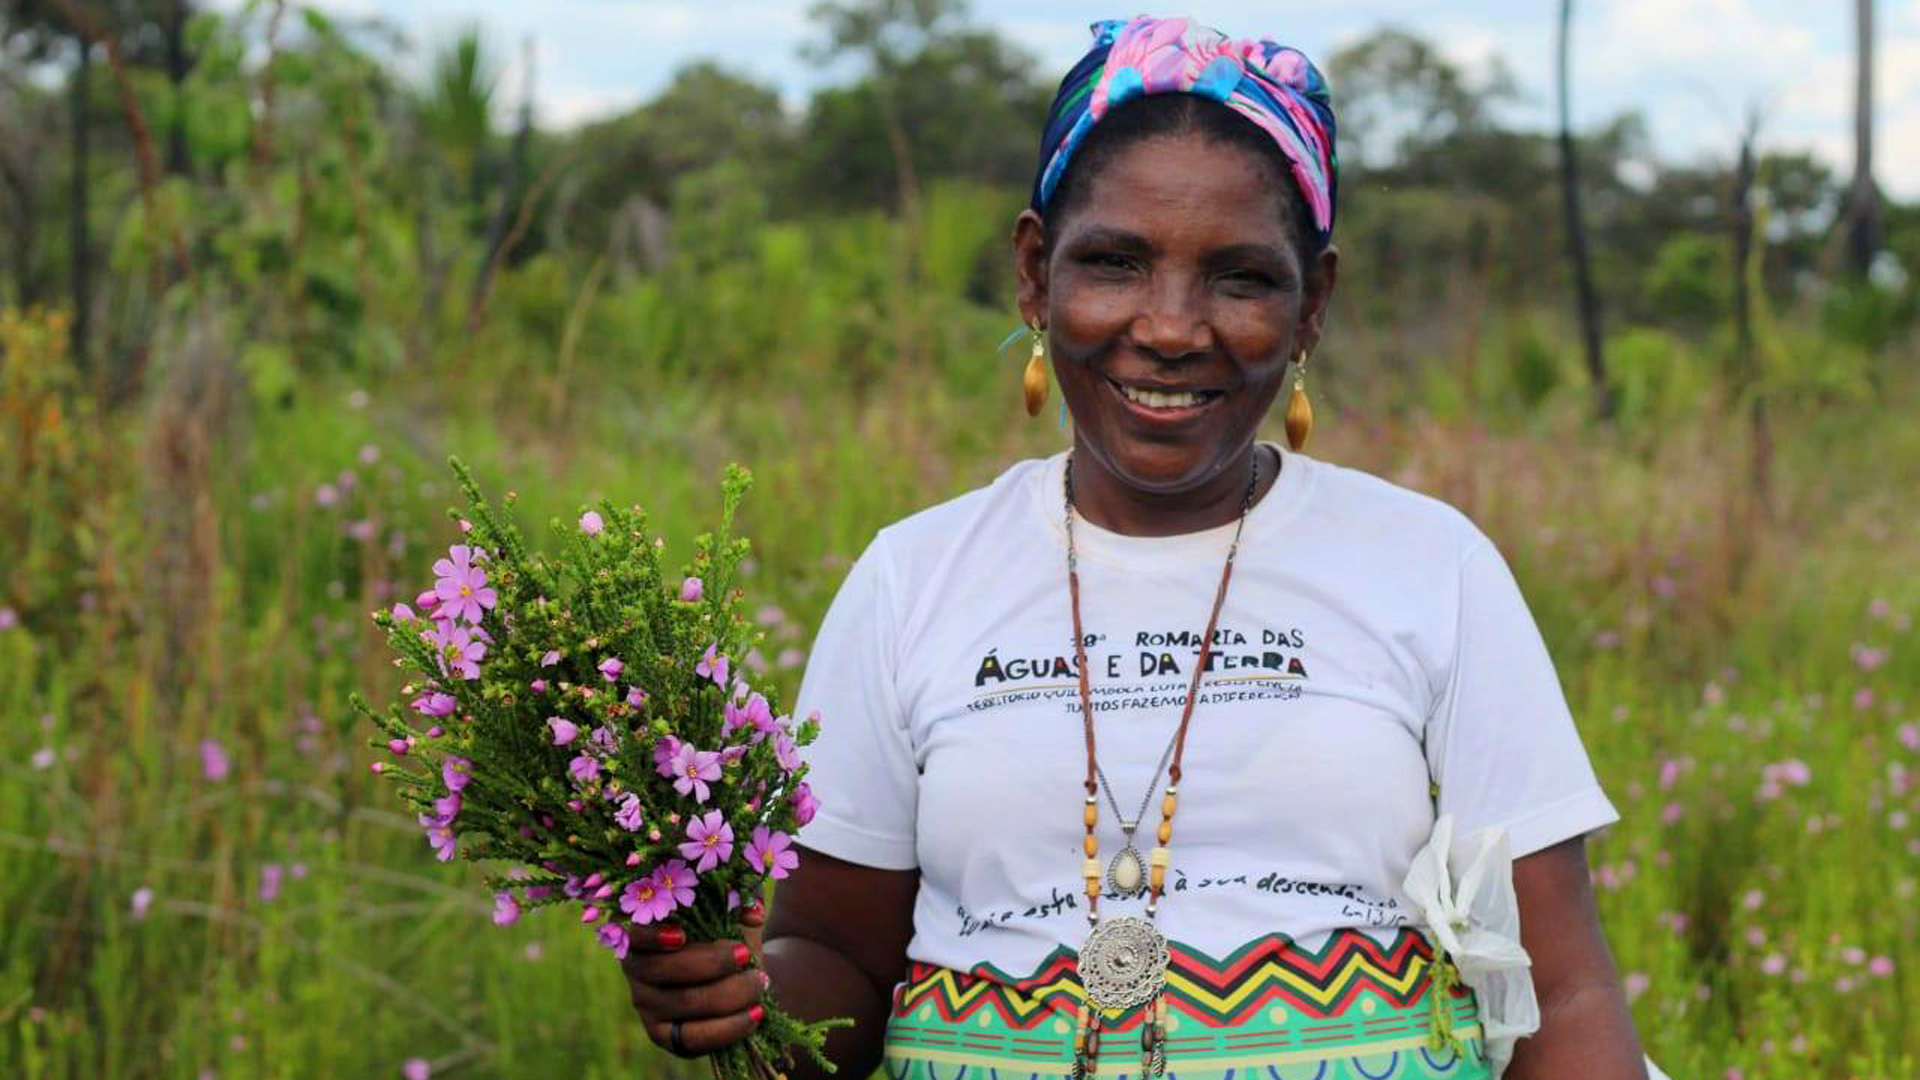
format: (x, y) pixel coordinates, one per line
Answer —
(1693, 68)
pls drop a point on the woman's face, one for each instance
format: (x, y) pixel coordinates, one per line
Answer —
(1173, 297)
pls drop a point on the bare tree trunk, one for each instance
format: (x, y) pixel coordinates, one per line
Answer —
(23, 231)
(79, 236)
(1577, 232)
(1744, 279)
(178, 67)
(1863, 198)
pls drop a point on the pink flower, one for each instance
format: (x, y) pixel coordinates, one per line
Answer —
(1880, 967)
(613, 937)
(270, 877)
(636, 697)
(584, 769)
(455, 772)
(692, 589)
(43, 758)
(142, 900)
(1909, 734)
(758, 713)
(805, 805)
(785, 752)
(457, 649)
(676, 880)
(10, 619)
(611, 667)
(434, 703)
(771, 853)
(709, 841)
(564, 731)
(663, 752)
(1867, 657)
(1635, 984)
(506, 910)
(693, 770)
(1669, 773)
(417, 1069)
(443, 841)
(462, 586)
(551, 658)
(445, 809)
(213, 761)
(1773, 964)
(645, 901)
(1792, 771)
(628, 816)
(591, 524)
(713, 666)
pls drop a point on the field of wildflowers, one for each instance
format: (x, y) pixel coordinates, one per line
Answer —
(202, 881)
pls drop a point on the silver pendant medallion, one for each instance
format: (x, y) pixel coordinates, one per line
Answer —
(1127, 873)
(1123, 963)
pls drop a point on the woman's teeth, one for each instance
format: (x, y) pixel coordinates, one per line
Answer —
(1156, 399)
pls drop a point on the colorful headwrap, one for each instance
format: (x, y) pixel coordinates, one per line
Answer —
(1273, 85)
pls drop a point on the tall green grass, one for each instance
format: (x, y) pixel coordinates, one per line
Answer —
(198, 877)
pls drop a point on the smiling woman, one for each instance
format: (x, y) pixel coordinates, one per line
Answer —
(1317, 679)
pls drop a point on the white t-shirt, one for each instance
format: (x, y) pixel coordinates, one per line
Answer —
(1363, 621)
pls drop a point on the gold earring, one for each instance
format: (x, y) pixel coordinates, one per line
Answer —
(1035, 379)
(1299, 409)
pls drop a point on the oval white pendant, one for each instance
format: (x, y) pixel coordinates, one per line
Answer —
(1126, 873)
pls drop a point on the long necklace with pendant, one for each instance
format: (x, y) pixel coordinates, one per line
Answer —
(1123, 963)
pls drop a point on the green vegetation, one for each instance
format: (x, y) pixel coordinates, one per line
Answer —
(340, 278)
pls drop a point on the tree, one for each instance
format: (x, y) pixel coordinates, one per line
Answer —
(1400, 98)
(1862, 222)
(937, 99)
(1589, 302)
(457, 110)
(885, 33)
(706, 115)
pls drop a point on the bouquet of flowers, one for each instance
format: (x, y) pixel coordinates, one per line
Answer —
(582, 718)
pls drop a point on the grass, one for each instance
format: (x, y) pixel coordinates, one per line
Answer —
(191, 577)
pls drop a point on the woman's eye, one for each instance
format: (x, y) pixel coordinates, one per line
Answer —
(1109, 262)
(1247, 280)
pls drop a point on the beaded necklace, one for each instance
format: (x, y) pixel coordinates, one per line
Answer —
(1123, 962)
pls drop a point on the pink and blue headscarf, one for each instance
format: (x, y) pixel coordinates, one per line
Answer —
(1273, 85)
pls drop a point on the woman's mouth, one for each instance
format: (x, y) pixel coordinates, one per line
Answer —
(1163, 405)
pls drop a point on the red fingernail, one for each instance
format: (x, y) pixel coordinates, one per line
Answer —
(740, 956)
(757, 1013)
(672, 937)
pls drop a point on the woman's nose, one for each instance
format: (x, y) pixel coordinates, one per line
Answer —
(1171, 323)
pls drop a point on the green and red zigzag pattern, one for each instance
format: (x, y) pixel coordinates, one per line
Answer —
(1352, 1009)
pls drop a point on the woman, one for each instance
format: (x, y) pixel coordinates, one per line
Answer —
(1128, 755)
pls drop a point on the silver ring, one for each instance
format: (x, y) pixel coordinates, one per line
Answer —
(674, 1044)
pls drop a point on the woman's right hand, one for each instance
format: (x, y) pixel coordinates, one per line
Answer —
(712, 990)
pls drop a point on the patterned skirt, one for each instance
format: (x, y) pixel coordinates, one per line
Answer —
(1354, 1010)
